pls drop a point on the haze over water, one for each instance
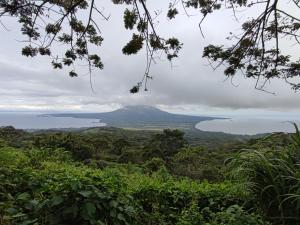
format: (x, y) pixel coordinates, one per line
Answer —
(249, 126)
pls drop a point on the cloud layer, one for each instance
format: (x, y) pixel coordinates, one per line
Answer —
(31, 84)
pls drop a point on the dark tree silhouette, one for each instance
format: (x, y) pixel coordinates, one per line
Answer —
(256, 51)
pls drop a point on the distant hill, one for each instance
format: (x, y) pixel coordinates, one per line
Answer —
(141, 117)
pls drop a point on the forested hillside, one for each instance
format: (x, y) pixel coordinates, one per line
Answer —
(114, 176)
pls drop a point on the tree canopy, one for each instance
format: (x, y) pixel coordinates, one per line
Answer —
(255, 50)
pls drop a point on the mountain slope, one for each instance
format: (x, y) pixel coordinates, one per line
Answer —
(141, 117)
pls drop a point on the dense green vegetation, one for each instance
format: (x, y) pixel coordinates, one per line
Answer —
(112, 176)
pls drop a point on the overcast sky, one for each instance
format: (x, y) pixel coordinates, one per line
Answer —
(190, 86)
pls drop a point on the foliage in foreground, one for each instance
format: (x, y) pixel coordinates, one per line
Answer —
(273, 178)
(43, 180)
(54, 190)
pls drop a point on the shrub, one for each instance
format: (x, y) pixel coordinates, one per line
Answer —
(75, 144)
(197, 163)
(154, 164)
(272, 176)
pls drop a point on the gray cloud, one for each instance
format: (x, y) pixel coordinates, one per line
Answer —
(189, 84)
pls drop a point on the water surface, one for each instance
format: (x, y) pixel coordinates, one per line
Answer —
(38, 121)
(248, 126)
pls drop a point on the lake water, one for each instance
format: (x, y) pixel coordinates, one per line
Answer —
(233, 126)
(248, 126)
(36, 121)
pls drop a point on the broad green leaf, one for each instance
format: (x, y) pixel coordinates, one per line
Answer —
(27, 222)
(12, 211)
(113, 203)
(85, 194)
(121, 217)
(88, 209)
(56, 200)
(24, 196)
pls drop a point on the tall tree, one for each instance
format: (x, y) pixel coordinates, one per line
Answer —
(256, 51)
